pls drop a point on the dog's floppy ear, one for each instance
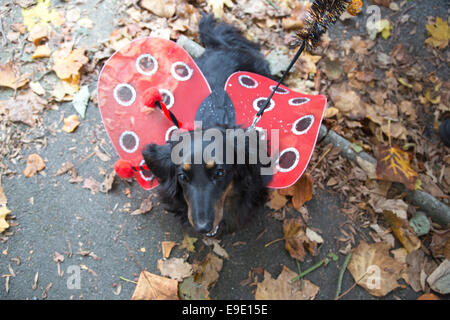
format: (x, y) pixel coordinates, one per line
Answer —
(158, 160)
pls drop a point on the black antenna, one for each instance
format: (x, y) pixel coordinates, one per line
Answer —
(322, 14)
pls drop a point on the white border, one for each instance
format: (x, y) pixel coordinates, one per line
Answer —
(133, 94)
(294, 126)
(292, 167)
(177, 76)
(245, 85)
(269, 108)
(121, 143)
(147, 73)
(298, 104)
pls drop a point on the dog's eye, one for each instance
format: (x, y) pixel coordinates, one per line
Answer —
(182, 177)
(219, 173)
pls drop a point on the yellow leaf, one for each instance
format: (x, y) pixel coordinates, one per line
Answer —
(393, 164)
(67, 64)
(41, 14)
(384, 26)
(4, 211)
(440, 34)
(43, 51)
(71, 123)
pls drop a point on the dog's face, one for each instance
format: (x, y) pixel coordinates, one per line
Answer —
(202, 182)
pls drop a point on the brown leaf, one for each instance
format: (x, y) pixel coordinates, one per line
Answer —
(301, 191)
(107, 184)
(175, 268)
(296, 240)
(208, 271)
(9, 79)
(296, 18)
(428, 296)
(67, 63)
(347, 101)
(418, 264)
(283, 289)
(393, 164)
(191, 290)
(34, 164)
(146, 206)
(91, 184)
(373, 268)
(66, 167)
(403, 231)
(153, 287)
(161, 8)
(440, 245)
(277, 201)
(167, 247)
(71, 123)
(439, 280)
(24, 108)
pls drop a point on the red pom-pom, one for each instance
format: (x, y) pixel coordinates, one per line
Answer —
(151, 96)
(124, 169)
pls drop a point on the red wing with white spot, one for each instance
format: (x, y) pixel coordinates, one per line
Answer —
(296, 116)
(142, 64)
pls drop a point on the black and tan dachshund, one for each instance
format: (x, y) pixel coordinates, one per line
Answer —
(214, 194)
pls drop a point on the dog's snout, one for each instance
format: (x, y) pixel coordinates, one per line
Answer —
(204, 226)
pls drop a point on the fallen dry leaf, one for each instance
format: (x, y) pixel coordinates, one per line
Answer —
(191, 290)
(301, 191)
(71, 123)
(217, 6)
(440, 33)
(296, 240)
(34, 164)
(161, 8)
(9, 79)
(153, 287)
(440, 245)
(24, 108)
(208, 270)
(419, 267)
(428, 296)
(4, 211)
(393, 164)
(67, 64)
(167, 247)
(146, 206)
(439, 280)
(217, 248)
(373, 268)
(277, 201)
(188, 243)
(403, 231)
(282, 288)
(175, 268)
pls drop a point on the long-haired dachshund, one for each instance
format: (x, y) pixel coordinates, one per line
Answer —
(215, 194)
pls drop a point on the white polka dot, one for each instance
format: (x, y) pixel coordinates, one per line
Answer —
(129, 149)
(185, 68)
(142, 173)
(251, 83)
(169, 132)
(279, 90)
(123, 101)
(294, 164)
(261, 102)
(145, 71)
(298, 101)
(171, 97)
(305, 130)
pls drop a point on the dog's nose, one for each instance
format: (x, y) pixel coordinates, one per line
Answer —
(204, 227)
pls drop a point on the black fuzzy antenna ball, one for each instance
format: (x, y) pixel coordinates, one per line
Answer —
(322, 14)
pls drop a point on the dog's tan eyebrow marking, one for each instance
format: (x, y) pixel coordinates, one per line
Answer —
(210, 164)
(186, 166)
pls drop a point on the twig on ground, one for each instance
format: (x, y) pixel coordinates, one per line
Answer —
(341, 275)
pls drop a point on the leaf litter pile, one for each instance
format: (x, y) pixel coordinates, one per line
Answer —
(386, 102)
